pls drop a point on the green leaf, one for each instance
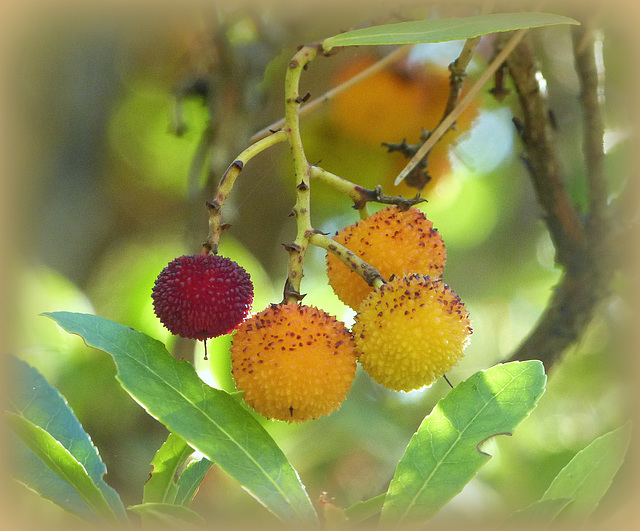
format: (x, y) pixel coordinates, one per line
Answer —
(167, 514)
(30, 471)
(161, 486)
(360, 511)
(35, 399)
(588, 476)
(443, 29)
(190, 480)
(61, 461)
(541, 513)
(208, 419)
(444, 454)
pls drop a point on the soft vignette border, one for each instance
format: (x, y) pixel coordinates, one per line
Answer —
(16, 21)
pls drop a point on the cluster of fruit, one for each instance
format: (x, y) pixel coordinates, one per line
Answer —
(296, 362)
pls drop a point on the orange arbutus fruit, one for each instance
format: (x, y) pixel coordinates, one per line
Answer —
(396, 104)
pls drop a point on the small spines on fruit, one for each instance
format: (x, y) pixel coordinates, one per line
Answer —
(293, 362)
(411, 331)
(202, 296)
(396, 242)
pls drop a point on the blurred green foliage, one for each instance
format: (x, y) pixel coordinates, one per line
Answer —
(500, 258)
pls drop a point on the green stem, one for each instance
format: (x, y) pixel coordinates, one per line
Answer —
(297, 250)
(226, 184)
(369, 273)
(360, 195)
(303, 172)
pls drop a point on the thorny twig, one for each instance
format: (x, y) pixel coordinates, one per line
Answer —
(448, 121)
(415, 173)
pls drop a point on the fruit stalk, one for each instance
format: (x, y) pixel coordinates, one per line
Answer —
(297, 250)
(360, 195)
(369, 273)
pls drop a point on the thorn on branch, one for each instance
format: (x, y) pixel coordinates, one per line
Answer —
(213, 205)
(290, 293)
(418, 177)
(377, 196)
(408, 150)
(316, 231)
(302, 99)
(292, 247)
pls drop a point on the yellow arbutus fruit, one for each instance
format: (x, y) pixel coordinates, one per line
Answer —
(394, 241)
(411, 331)
(293, 362)
(396, 103)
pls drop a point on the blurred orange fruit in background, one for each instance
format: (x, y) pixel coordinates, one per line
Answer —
(395, 104)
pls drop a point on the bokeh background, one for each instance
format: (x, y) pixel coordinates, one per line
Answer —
(125, 119)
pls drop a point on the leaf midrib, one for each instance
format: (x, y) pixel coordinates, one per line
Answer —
(179, 393)
(96, 502)
(441, 25)
(441, 461)
(601, 458)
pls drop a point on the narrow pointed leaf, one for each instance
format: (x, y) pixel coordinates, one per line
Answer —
(542, 513)
(35, 399)
(588, 476)
(444, 454)
(58, 459)
(208, 419)
(167, 514)
(28, 470)
(443, 29)
(161, 486)
(190, 480)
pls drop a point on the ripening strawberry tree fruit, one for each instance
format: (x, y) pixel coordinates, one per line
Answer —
(295, 364)
(202, 296)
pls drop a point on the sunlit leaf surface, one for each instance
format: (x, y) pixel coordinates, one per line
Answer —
(60, 461)
(208, 419)
(445, 453)
(35, 400)
(161, 487)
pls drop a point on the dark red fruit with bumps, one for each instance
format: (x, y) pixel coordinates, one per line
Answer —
(202, 296)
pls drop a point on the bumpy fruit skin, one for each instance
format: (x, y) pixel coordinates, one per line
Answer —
(293, 362)
(410, 332)
(202, 296)
(395, 242)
